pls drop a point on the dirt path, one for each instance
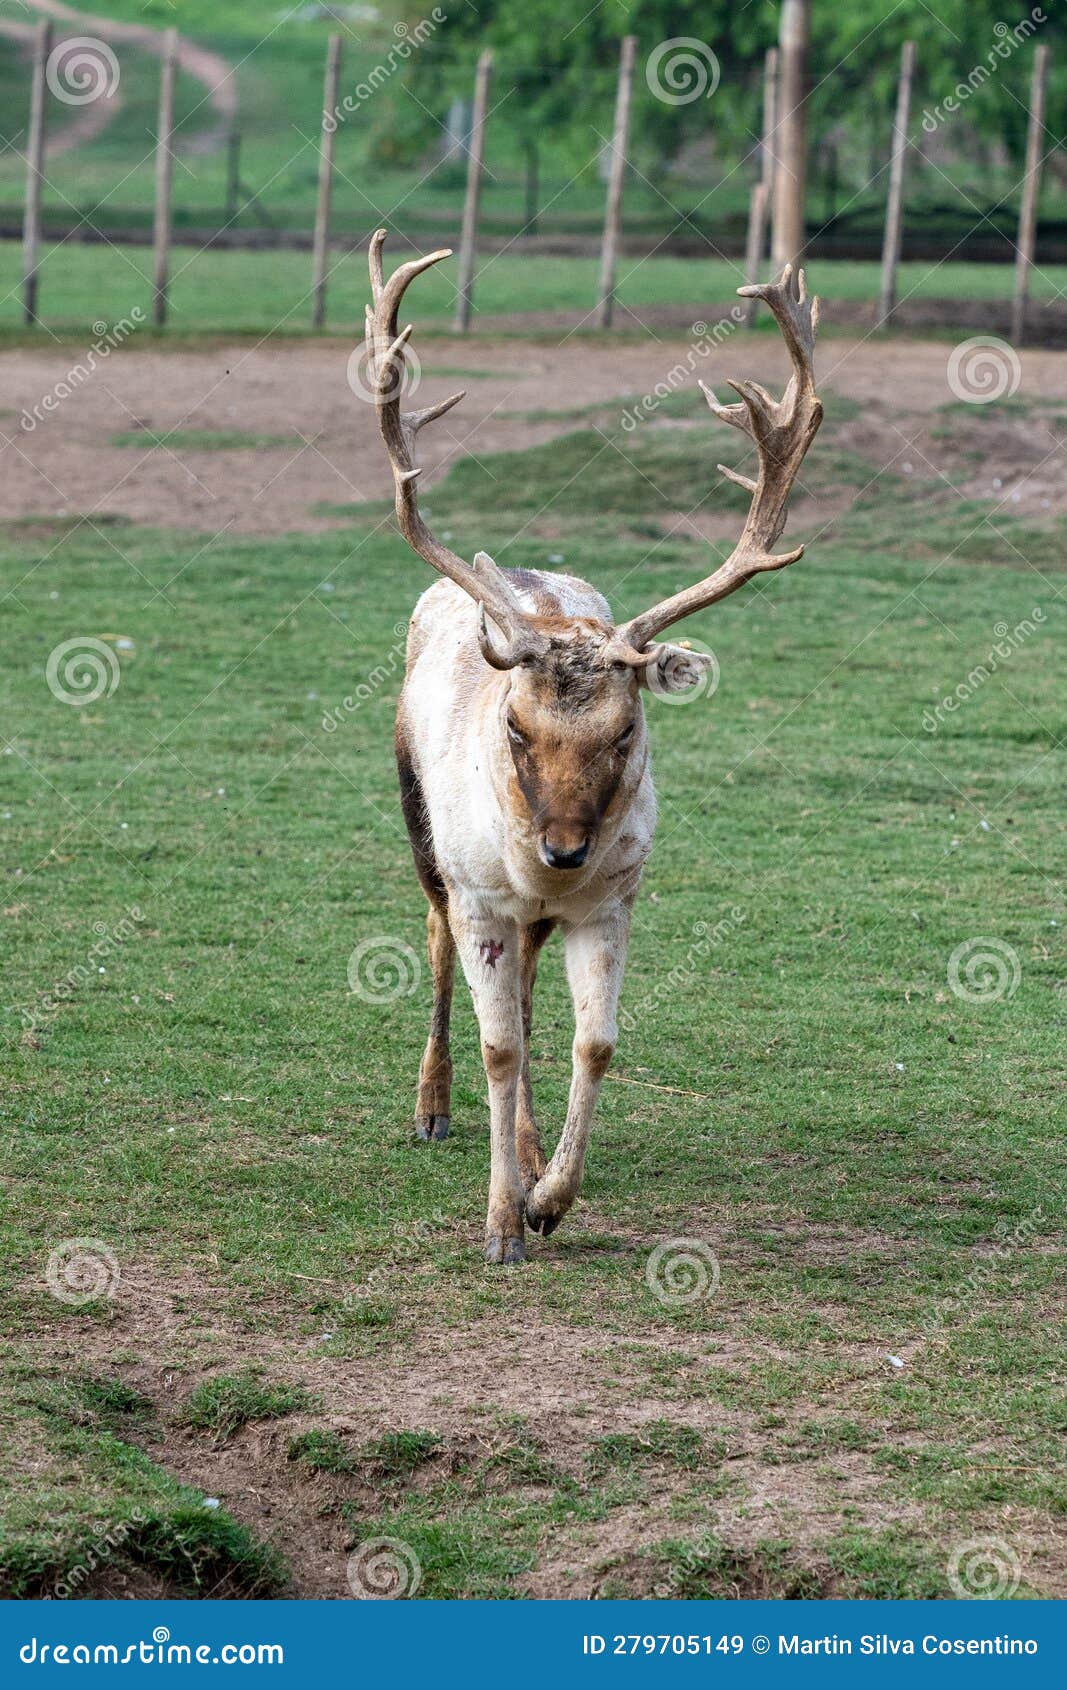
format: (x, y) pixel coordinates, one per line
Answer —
(207, 67)
(328, 453)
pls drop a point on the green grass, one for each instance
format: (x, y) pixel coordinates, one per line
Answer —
(806, 1091)
(322, 1452)
(200, 440)
(99, 1504)
(225, 1404)
(252, 292)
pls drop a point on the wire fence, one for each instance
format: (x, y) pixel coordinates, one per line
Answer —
(245, 173)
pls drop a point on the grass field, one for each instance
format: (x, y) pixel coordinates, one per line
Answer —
(263, 293)
(193, 1087)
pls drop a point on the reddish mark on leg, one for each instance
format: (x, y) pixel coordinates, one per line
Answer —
(490, 950)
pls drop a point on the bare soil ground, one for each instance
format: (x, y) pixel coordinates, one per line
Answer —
(329, 454)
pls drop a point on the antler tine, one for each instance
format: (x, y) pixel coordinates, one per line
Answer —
(386, 354)
(782, 430)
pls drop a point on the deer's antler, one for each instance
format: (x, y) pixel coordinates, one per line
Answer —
(782, 429)
(386, 354)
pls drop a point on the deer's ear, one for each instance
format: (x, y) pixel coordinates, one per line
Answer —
(675, 669)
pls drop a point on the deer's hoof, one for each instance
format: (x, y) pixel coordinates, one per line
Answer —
(504, 1252)
(543, 1222)
(431, 1127)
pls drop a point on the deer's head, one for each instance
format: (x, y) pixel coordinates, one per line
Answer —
(570, 707)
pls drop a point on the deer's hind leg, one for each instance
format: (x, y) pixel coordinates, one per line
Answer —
(527, 1138)
(433, 1105)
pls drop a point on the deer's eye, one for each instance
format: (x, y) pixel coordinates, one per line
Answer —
(515, 733)
(623, 741)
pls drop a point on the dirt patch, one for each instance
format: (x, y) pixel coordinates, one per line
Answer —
(567, 1386)
(64, 464)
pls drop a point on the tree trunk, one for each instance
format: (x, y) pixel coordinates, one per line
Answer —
(792, 149)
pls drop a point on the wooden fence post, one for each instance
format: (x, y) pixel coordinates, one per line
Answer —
(894, 216)
(31, 223)
(233, 175)
(533, 188)
(322, 210)
(469, 235)
(791, 164)
(764, 188)
(164, 175)
(619, 142)
(1024, 256)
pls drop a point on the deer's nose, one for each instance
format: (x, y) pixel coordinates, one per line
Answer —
(557, 858)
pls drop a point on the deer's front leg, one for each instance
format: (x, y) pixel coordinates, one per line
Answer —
(489, 952)
(596, 957)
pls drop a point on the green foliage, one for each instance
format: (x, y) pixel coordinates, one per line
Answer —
(562, 72)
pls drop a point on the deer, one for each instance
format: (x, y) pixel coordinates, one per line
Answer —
(523, 757)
